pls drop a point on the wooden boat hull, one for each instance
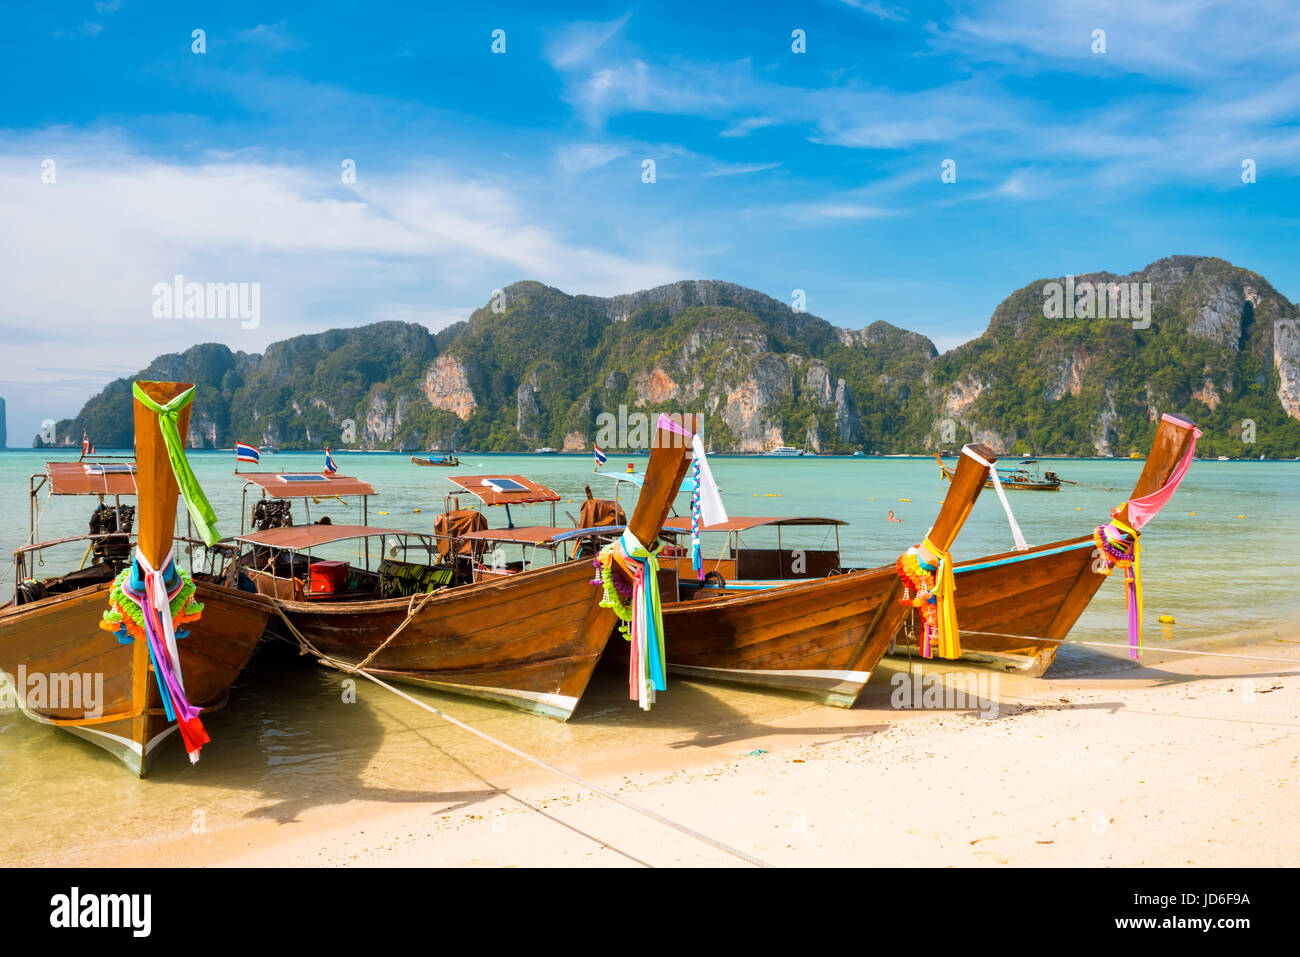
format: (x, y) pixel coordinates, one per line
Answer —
(530, 640)
(1014, 609)
(821, 638)
(60, 635)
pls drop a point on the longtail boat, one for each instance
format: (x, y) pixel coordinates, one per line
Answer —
(1015, 608)
(820, 636)
(1019, 477)
(529, 638)
(55, 651)
(444, 459)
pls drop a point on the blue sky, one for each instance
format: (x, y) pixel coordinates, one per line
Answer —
(774, 169)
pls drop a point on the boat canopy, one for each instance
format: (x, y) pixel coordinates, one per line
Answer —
(91, 478)
(504, 489)
(306, 484)
(299, 537)
(740, 524)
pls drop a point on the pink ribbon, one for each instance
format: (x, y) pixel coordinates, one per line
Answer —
(1142, 510)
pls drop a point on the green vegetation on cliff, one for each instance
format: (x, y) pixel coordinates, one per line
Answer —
(543, 365)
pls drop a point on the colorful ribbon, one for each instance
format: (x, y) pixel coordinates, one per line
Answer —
(169, 425)
(931, 587)
(154, 592)
(1144, 508)
(1120, 545)
(697, 561)
(712, 510)
(647, 658)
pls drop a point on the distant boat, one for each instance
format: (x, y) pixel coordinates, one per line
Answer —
(270, 450)
(786, 451)
(547, 450)
(437, 458)
(859, 454)
(1223, 458)
(1019, 477)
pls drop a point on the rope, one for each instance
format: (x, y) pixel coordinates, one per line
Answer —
(1111, 644)
(411, 612)
(308, 647)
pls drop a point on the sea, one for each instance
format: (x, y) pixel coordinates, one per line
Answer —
(1220, 560)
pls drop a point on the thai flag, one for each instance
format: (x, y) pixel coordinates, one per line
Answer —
(330, 467)
(247, 453)
(600, 457)
(87, 446)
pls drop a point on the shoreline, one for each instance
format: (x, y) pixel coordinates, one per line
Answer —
(1184, 760)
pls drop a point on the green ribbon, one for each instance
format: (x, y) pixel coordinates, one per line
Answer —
(169, 424)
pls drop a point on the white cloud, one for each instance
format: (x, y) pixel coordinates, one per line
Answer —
(874, 8)
(577, 42)
(82, 254)
(583, 157)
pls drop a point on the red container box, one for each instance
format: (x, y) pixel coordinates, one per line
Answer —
(328, 578)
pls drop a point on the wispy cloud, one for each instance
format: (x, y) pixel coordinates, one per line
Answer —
(875, 9)
(584, 157)
(577, 42)
(273, 36)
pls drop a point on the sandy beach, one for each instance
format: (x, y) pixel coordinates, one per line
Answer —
(1183, 761)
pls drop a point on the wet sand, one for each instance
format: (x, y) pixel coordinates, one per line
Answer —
(1180, 761)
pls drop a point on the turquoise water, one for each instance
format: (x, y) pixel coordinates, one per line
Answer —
(1204, 569)
(288, 741)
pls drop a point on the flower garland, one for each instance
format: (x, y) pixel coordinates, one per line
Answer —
(125, 618)
(617, 594)
(929, 589)
(641, 618)
(1118, 545)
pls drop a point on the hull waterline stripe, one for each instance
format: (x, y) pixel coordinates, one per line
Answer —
(1012, 559)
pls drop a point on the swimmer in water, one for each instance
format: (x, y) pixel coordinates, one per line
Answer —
(892, 518)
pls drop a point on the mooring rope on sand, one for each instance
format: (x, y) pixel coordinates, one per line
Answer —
(1110, 644)
(308, 648)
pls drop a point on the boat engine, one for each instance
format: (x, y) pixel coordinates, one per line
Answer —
(272, 513)
(116, 523)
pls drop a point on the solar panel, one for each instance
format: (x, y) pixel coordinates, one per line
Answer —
(302, 477)
(106, 468)
(504, 485)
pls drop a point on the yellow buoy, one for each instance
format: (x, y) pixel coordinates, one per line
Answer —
(417, 511)
(383, 513)
(905, 500)
(1241, 516)
(1166, 619)
(1191, 513)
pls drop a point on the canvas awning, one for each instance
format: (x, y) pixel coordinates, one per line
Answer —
(301, 537)
(479, 487)
(91, 478)
(306, 484)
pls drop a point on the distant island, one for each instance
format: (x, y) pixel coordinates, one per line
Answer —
(537, 367)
